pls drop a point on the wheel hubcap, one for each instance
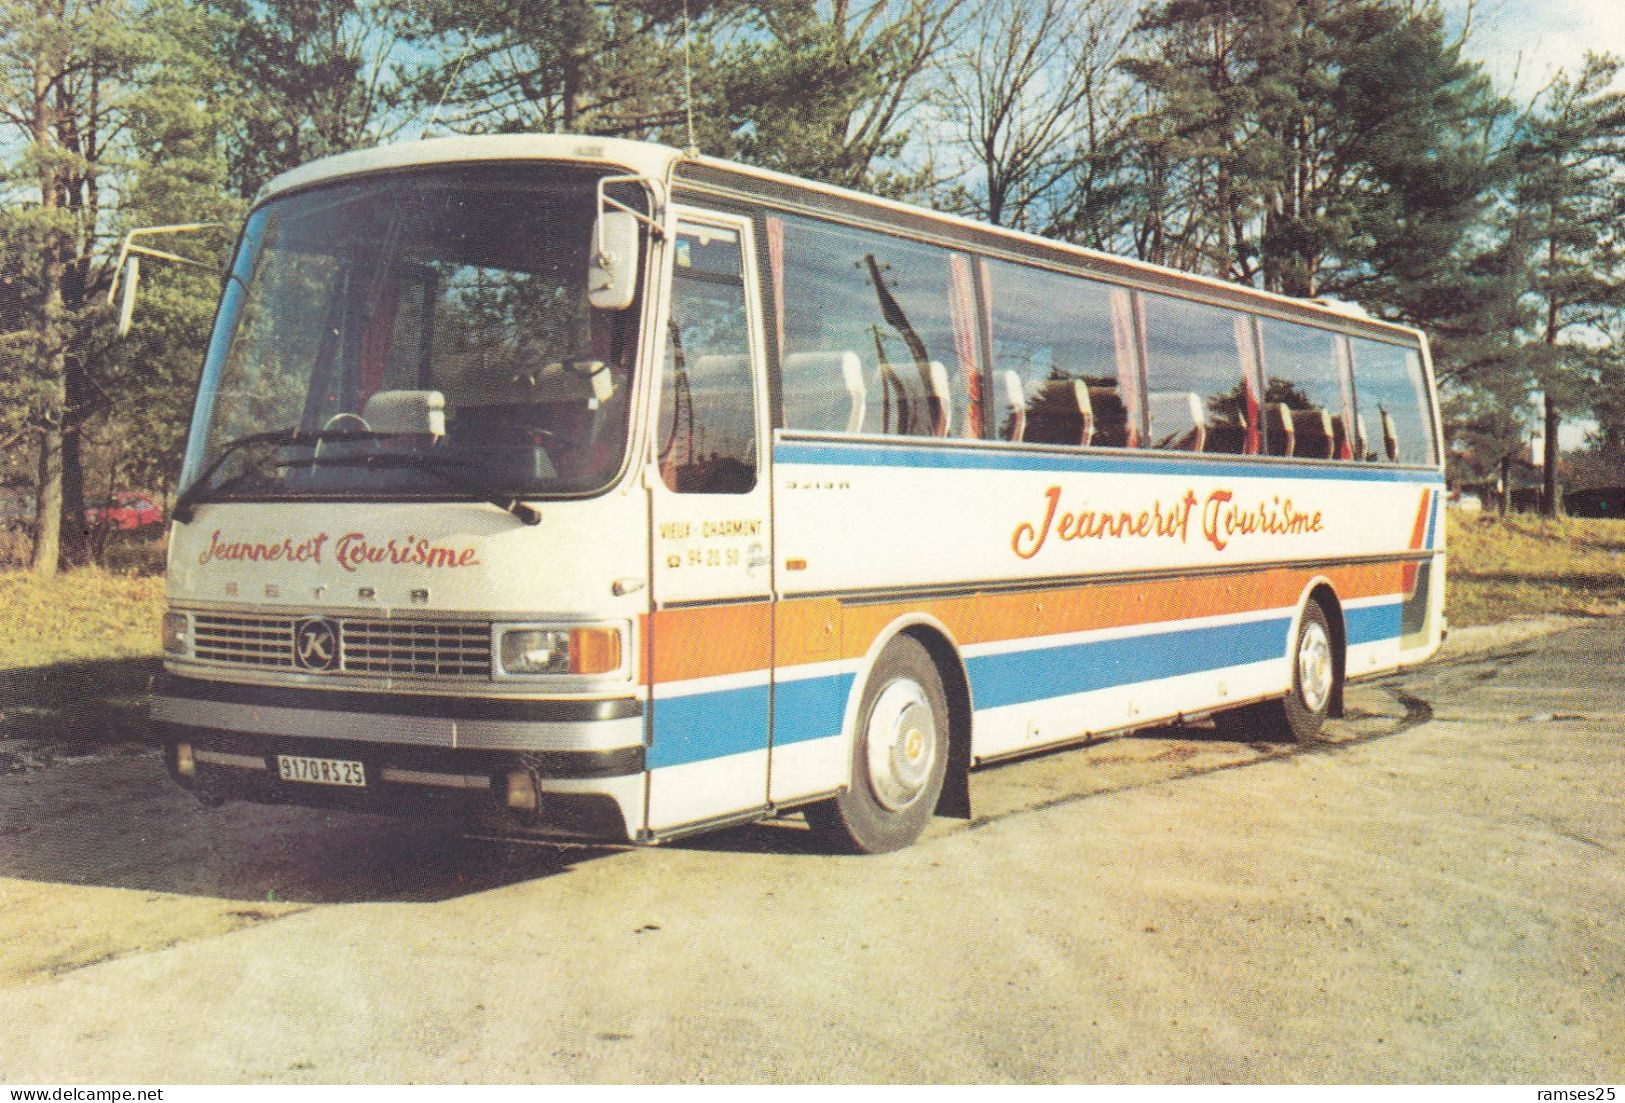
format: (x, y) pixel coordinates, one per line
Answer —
(1314, 666)
(901, 744)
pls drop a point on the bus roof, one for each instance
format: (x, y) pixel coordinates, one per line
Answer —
(662, 162)
(645, 158)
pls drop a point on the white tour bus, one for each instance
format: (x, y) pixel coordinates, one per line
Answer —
(594, 490)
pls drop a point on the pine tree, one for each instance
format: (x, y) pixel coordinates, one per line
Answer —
(79, 81)
(1313, 146)
(1570, 220)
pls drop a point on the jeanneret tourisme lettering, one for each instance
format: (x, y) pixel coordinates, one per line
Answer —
(351, 551)
(1219, 516)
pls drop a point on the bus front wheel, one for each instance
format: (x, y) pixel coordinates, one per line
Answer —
(899, 757)
(1299, 715)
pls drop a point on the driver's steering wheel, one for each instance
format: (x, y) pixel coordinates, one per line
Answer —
(333, 422)
(346, 415)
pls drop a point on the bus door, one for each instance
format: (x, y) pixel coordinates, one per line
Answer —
(711, 630)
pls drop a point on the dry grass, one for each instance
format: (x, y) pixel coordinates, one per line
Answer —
(78, 616)
(119, 552)
(1523, 566)
(77, 653)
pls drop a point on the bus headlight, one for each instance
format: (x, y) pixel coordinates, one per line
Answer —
(177, 636)
(533, 650)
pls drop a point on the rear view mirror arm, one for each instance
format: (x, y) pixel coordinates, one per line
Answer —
(607, 200)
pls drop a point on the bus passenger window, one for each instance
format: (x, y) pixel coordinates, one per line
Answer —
(1063, 361)
(1391, 395)
(1012, 408)
(903, 312)
(1178, 420)
(824, 391)
(1198, 396)
(706, 440)
(1304, 379)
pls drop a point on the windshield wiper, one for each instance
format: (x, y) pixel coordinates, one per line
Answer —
(185, 505)
(447, 471)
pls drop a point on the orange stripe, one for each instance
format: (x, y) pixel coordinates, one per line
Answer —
(1421, 527)
(708, 641)
(1418, 534)
(988, 618)
(808, 631)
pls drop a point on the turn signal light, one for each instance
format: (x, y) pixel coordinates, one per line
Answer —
(595, 650)
(185, 761)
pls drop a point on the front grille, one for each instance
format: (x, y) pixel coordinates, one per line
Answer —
(243, 640)
(396, 647)
(380, 648)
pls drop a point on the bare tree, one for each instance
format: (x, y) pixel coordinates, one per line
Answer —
(1028, 97)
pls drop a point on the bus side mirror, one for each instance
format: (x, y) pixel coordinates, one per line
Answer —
(127, 266)
(126, 298)
(613, 267)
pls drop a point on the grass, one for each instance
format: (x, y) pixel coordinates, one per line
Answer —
(1523, 566)
(79, 616)
(77, 651)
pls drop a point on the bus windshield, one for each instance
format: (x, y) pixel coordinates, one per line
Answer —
(416, 334)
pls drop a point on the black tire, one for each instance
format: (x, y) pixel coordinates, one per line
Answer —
(898, 765)
(1298, 716)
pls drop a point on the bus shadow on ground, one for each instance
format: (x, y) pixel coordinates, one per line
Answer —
(69, 709)
(116, 820)
(106, 814)
(787, 834)
(86, 801)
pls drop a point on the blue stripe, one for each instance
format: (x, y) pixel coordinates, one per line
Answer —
(863, 454)
(1021, 676)
(1371, 623)
(708, 725)
(701, 726)
(810, 708)
(1433, 518)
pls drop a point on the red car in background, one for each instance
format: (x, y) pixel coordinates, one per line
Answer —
(126, 509)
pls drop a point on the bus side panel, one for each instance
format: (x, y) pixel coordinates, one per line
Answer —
(709, 674)
(1093, 592)
(1383, 634)
(813, 681)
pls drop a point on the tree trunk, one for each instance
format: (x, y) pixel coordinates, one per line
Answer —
(75, 548)
(48, 518)
(52, 352)
(76, 399)
(1551, 504)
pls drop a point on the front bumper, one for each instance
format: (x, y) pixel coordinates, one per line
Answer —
(421, 755)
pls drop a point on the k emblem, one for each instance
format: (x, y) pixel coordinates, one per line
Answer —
(316, 644)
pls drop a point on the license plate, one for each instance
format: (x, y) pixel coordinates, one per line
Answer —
(321, 771)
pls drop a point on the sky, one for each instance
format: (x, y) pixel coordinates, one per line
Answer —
(1524, 43)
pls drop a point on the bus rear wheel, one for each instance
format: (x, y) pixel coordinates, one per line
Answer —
(1299, 715)
(899, 757)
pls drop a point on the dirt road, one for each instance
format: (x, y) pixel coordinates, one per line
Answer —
(1433, 893)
